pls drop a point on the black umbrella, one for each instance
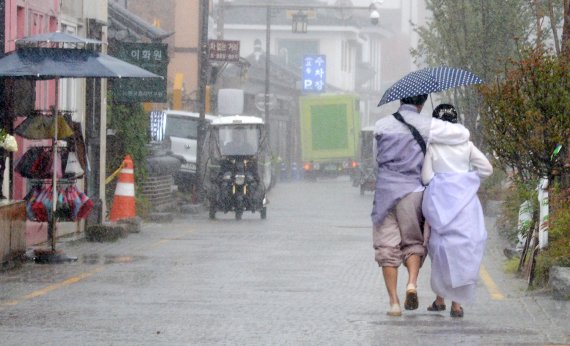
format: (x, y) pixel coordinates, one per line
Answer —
(427, 81)
(60, 55)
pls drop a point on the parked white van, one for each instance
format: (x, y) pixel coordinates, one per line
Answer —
(181, 138)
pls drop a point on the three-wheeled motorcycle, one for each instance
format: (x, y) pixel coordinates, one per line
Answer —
(364, 176)
(238, 168)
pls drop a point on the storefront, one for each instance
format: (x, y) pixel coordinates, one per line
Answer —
(21, 98)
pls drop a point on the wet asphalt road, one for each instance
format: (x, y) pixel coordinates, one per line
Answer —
(304, 276)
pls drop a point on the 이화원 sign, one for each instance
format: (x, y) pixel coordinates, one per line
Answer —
(314, 73)
(152, 57)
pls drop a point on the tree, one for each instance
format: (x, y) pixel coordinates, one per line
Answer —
(565, 49)
(480, 36)
(526, 115)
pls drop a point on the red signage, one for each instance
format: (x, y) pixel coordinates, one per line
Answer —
(222, 50)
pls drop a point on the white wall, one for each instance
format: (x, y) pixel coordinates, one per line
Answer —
(95, 9)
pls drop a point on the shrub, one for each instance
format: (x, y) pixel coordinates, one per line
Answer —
(493, 188)
(131, 125)
(526, 115)
(558, 251)
(515, 195)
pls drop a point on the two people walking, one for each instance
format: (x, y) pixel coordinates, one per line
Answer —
(412, 150)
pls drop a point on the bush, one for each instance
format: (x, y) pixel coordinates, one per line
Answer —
(558, 252)
(143, 206)
(131, 124)
(514, 196)
(511, 266)
(493, 188)
(525, 115)
(103, 233)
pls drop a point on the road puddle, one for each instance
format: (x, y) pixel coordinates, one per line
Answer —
(109, 259)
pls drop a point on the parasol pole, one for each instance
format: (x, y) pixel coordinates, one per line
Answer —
(54, 175)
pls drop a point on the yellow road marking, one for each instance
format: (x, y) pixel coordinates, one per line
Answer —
(50, 288)
(10, 303)
(490, 284)
(164, 241)
(73, 279)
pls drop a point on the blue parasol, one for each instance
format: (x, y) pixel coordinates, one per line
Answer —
(53, 63)
(61, 55)
(427, 81)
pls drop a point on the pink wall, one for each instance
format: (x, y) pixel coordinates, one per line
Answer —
(25, 18)
(30, 17)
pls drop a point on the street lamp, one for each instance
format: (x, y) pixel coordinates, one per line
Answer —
(300, 22)
(374, 12)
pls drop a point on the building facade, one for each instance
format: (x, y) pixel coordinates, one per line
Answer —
(86, 99)
(180, 17)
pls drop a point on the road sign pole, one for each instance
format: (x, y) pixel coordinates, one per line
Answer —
(267, 68)
(203, 73)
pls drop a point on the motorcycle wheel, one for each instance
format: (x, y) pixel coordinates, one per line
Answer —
(263, 213)
(212, 210)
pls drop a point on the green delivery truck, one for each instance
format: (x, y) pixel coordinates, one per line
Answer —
(330, 129)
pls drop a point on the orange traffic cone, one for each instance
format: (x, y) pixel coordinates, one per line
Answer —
(124, 200)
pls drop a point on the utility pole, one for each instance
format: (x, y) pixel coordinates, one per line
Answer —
(267, 67)
(220, 23)
(204, 11)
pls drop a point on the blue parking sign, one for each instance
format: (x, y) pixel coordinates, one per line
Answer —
(314, 73)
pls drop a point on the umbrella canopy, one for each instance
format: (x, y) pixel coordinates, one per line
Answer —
(427, 81)
(58, 55)
(51, 63)
(55, 39)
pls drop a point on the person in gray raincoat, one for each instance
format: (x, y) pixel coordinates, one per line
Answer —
(400, 144)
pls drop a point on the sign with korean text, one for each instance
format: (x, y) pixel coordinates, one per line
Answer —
(152, 57)
(314, 73)
(223, 50)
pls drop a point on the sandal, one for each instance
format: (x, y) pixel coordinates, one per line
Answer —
(455, 313)
(411, 302)
(436, 307)
(395, 310)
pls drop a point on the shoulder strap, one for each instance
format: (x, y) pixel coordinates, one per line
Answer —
(417, 136)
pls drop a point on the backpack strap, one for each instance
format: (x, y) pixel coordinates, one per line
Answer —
(417, 136)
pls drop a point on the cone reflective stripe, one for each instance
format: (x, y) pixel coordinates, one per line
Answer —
(124, 200)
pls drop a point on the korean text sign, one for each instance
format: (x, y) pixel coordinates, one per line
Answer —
(152, 57)
(314, 73)
(221, 50)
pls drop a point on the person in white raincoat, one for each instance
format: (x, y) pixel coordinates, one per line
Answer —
(452, 209)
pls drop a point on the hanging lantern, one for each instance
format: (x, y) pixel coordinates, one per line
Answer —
(300, 22)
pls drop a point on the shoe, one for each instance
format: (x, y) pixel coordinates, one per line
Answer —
(395, 310)
(411, 302)
(455, 313)
(436, 307)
